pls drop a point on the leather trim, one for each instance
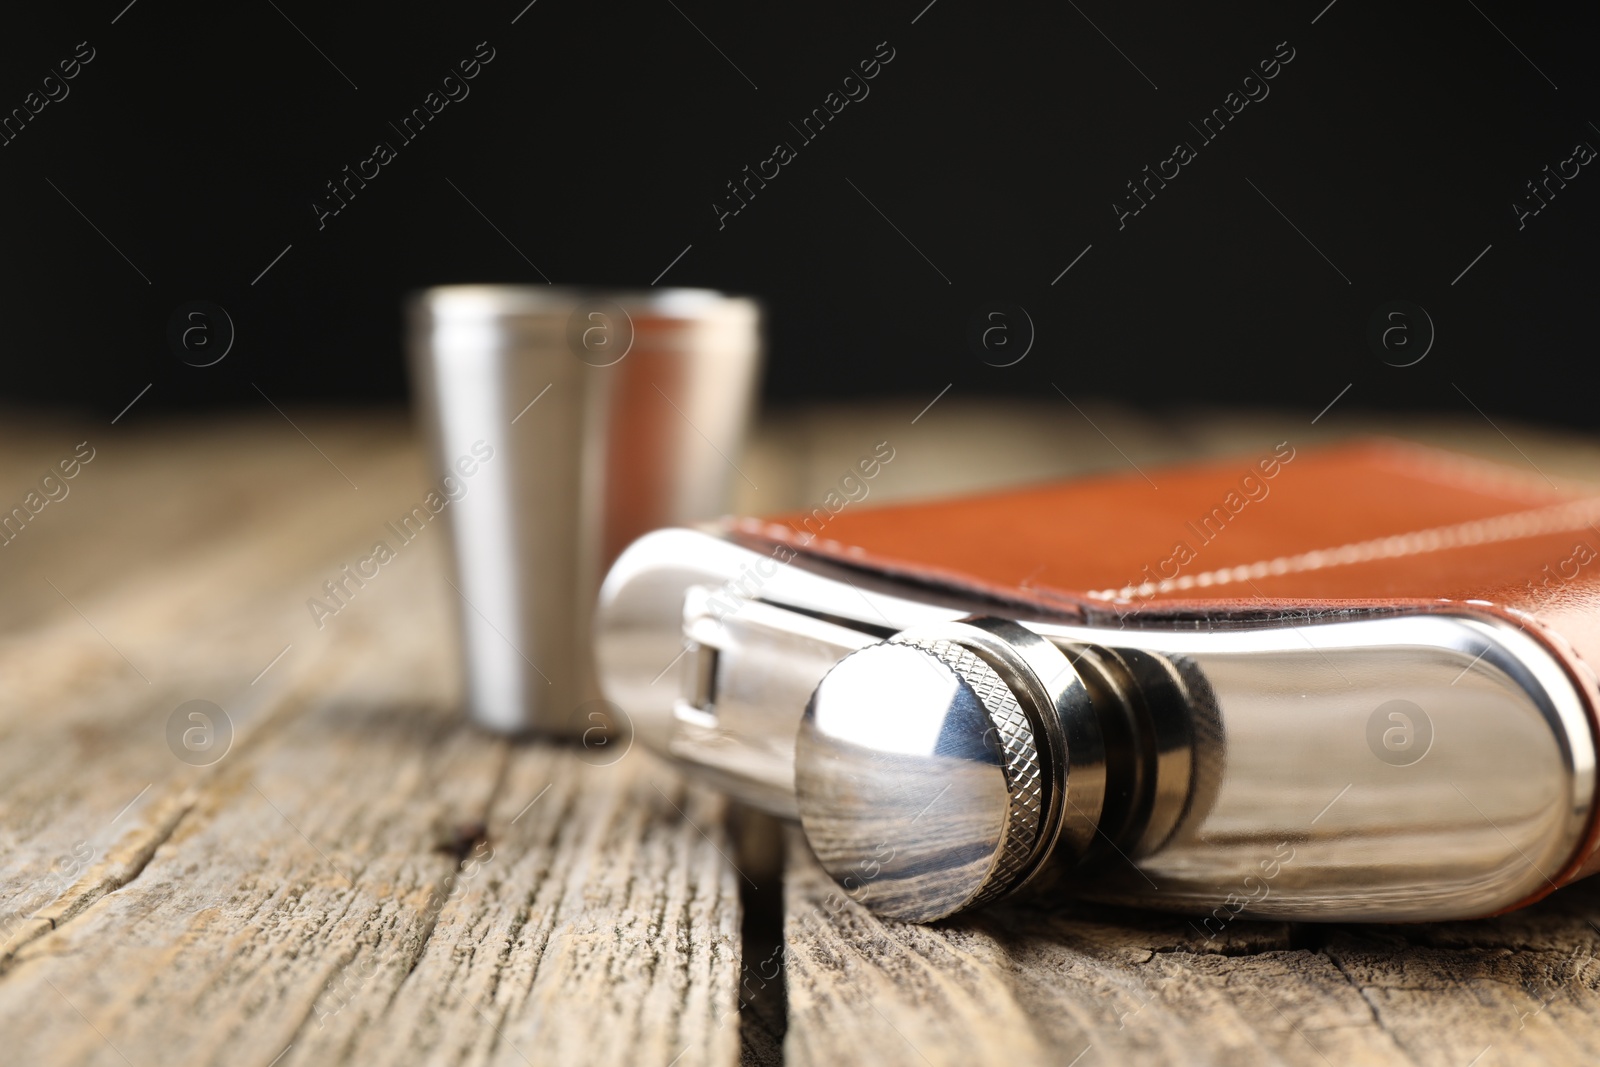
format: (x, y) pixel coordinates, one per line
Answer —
(1371, 527)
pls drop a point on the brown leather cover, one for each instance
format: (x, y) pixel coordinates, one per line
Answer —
(1369, 526)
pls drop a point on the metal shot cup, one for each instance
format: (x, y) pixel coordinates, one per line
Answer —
(603, 415)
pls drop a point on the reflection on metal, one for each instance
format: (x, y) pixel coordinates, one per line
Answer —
(606, 415)
(1220, 772)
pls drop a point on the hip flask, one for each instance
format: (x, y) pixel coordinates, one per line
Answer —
(1344, 685)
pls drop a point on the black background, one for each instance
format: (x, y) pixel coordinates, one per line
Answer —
(997, 140)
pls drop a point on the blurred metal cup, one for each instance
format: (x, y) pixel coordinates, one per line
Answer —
(608, 415)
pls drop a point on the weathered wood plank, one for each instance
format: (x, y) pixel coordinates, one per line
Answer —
(321, 831)
(91, 681)
(158, 497)
(311, 897)
(1024, 985)
(598, 924)
(1524, 987)
(362, 876)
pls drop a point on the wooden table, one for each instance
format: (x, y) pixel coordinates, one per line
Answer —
(363, 878)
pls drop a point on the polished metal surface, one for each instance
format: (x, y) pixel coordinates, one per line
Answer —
(1301, 812)
(1070, 726)
(919, 781)
(668, 601)
(1366, 766)
(726, 722)
(605, 415)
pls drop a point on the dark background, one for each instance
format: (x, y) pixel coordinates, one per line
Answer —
(997, 140)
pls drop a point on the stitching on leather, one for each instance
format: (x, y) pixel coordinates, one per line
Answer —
(1511, 527)
(1423, 461)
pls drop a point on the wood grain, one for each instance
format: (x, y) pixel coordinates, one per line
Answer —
(1025, 986)
(364, 878)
